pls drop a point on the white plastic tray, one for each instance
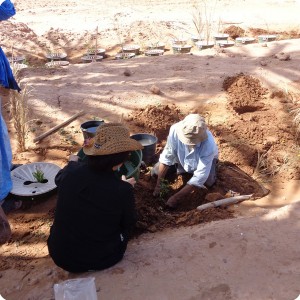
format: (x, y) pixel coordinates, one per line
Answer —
(154, 52)
(24, 173)
(56, 56)
(57, 63)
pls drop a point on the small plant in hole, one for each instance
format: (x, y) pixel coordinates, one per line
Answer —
(164, 188)
(39, 175)
(63, 131)
(95, 118)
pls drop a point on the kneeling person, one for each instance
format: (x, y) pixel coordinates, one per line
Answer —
(192, 148)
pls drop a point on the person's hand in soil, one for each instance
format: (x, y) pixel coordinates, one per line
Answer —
(173, 201)
(131, 180)
(161, 173)
(176, 198)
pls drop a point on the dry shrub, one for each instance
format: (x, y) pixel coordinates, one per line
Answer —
(296, 120)
(264, 167)
(19, 111)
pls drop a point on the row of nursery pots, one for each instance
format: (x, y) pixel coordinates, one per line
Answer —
(155, 49)
(128, 51)
(241, 40)
(59, 58)
(221, 40)
(182, 46)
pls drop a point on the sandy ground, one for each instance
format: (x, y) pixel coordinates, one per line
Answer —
(254, 256)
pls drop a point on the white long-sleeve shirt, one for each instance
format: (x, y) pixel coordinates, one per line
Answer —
(196, 160)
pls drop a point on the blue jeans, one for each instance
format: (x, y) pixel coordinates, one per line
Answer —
(212, 177)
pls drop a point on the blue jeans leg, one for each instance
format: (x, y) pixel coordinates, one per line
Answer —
(212, 177)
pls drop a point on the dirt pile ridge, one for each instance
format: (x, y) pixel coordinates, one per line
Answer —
(245, 93)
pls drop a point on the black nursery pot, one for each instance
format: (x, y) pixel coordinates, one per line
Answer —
(89, 128)
(149, 142)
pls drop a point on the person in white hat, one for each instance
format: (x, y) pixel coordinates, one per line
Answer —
(192, 148)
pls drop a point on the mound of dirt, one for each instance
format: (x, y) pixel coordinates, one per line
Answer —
(280, 35)
(15, 35)
(234, 31)
(258, 138)
(20, 40)
(155, 119)
(258, 31)
(245, 93)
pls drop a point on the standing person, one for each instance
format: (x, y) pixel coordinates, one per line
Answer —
(95, 208)
(5, 159)
(5, 179)
(7, 80)
(192, 149)
(7, 203)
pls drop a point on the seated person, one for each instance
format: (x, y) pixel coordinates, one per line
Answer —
(95, 208)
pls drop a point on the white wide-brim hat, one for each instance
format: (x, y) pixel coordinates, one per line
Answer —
(192, 130)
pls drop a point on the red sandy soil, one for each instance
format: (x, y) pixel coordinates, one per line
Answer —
(247, 96)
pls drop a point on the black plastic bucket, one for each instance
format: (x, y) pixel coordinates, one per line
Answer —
(149, 142)
(89, 128)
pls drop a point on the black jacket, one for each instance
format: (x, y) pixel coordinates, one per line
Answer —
(94, 215)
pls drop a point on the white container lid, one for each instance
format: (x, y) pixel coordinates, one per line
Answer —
(91, 57)
(57, 63)
(56, 55)
(245, 39)
(124, 55)
(24, 173)
(154, 52)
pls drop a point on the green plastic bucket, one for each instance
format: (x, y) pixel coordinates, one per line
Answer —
(130, 168)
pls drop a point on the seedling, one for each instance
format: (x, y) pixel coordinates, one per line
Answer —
(119, 31)
(62, 131)
(67, 136)
(154, 44)
(95, 118)
(198, 22)
(203, 18)
(39, 175)
(164, 188)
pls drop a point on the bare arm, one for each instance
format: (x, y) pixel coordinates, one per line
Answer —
(185, 191)
(162, 171)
